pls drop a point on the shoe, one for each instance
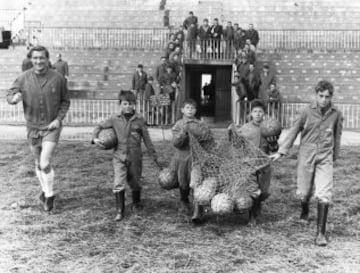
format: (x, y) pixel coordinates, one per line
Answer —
(120, 205)
(42, 197)
(321, 239)
(304, 216)
(184, 201)
(136, 197)
(49, 203)
(198, 214)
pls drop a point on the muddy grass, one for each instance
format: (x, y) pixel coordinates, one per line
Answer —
(81, 235)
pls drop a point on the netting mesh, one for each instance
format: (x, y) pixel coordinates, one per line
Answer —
(230, 160)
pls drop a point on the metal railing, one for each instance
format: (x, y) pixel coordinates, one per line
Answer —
(82, 37)
(288, 112)
(87, 112)
(309, 39)
(212, 49)
(157, 38)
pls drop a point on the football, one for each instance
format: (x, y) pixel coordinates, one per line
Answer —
(270, 127)
(167, 179)
(109, 138)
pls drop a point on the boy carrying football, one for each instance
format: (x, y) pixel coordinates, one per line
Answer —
(259, 182)
(320, 125)
(129, 128)
(182, 128)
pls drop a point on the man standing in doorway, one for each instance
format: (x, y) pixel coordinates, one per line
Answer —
(46, 101)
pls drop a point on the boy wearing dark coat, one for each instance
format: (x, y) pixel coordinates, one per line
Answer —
(182, 128)
(130, 128)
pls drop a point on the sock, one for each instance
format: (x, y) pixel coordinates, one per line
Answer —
(48, 179)
(39, 176)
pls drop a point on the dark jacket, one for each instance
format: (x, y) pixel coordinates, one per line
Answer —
(45, 100)
(61, 67)
(204, 34)
(139, 81)
(252, 84)
(228, 33)
(253, 35)
(160, 71)
(129, 134)
(149, 91)
(217, 31)
(190, 20)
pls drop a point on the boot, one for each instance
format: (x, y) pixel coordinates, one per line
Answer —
(184, 201)
(49, 203)
(120, 205)
(136, 197)
(198, 213)
(42, 197)
(254, 210)
(304, 216)
(320, 239)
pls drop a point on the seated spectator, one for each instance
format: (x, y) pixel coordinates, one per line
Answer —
(251, 46)
(178, 43)
(253, 35)
(267, 78)
(180, 34)
(176, 64)
(190, 20)
(250, 55)
(242, 64)
(172, 38)
(252, 82)
(170, 48)
(177, 51)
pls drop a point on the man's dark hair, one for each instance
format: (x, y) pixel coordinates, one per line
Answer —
(266, 66)
(216, 19)
(189, 101)
(206, 20)
(236, 24)
(39, 48)
(140, 66)
(191, 13)
(324, 85)
(258, 103)
(126, 95)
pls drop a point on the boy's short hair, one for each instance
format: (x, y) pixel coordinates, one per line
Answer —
(324, 85)
(189, 101)
(127, 95)
(258, 103)
(140, 66)
(266, 66)
(39, 48)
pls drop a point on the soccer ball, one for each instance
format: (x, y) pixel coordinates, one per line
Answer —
(109, 138)
(206, 191)
(222, 203)
(167, 179)
(195, 176)
(243, 202)
(270, 127)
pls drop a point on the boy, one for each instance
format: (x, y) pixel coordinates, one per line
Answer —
(182, 128)
(259, 182)
(46, 101)
(320, 125)
(127, 159)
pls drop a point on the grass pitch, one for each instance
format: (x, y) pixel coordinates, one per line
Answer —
(81, 235)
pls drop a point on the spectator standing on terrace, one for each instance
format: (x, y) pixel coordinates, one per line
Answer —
(46, 101)
(139, 81)
(253, 35)
(191, 38)
(190, 20)
(216, 33)
(252, 82)
(26, 63)
(161, 69)
(61, 66)
(205, 35)
(239, 39)
(267, 78)
(229, 38)
(175, 62)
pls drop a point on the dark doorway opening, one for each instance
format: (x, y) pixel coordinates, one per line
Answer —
(210, 87)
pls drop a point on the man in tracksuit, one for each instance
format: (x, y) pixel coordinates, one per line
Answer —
(46, 101)
(320, 125)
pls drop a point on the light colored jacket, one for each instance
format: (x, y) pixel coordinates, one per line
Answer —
(321, 132)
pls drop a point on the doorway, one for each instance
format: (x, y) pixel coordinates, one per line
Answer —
(210, 87)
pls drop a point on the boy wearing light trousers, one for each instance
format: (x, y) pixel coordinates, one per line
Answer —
(320, 125)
